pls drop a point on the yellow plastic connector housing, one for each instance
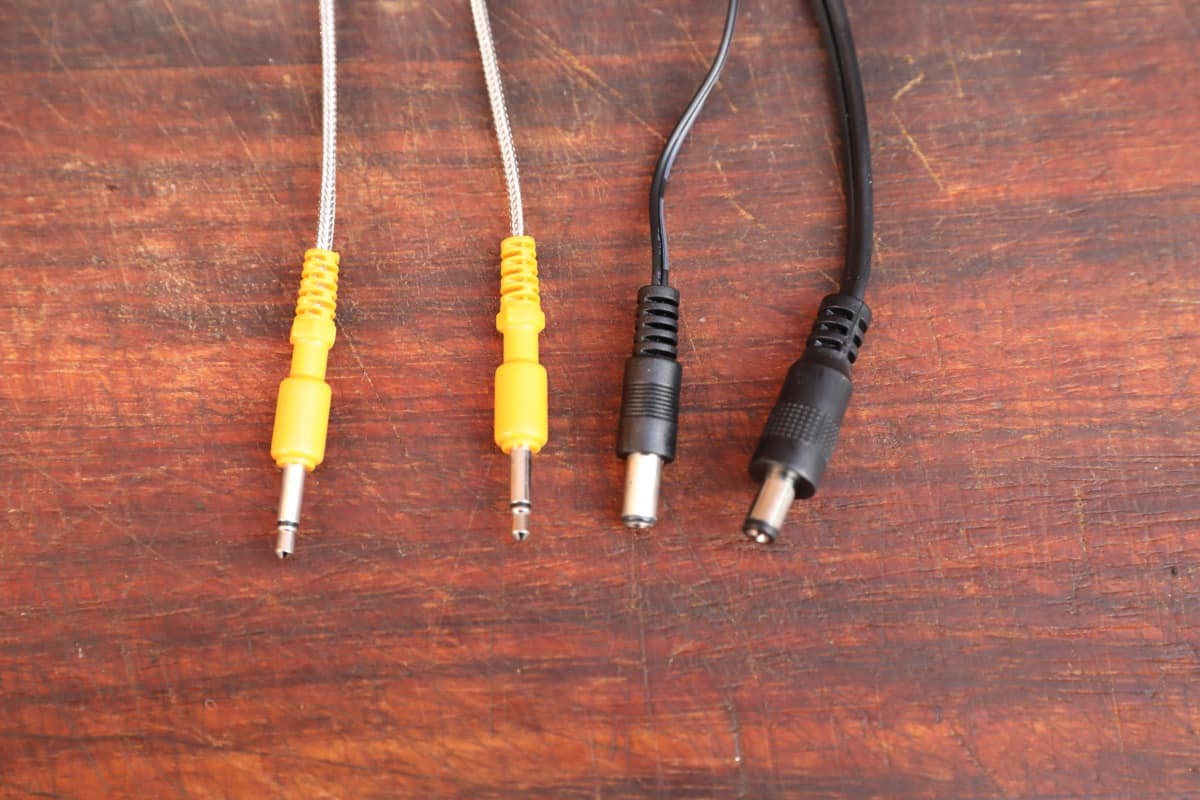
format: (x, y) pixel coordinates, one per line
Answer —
(302, 414)
(521, 393)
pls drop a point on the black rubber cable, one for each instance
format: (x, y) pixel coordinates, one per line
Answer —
(660, 263)
(856, 145)
(798, 440)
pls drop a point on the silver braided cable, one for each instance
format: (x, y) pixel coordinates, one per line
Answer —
(495, 90)
(328, 207)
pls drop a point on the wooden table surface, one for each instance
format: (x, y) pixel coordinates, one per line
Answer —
(994, 595)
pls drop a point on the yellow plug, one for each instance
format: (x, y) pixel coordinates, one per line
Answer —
(302, 414)
(521, 394)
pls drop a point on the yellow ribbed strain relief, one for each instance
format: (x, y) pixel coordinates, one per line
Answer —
(302, 414)
(521, 393)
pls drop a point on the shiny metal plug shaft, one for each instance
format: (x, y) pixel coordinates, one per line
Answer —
(643, 475)
(520, 478)
(771, 505)
(291, 496)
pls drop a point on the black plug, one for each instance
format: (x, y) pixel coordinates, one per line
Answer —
(650, 403)
(802, 430)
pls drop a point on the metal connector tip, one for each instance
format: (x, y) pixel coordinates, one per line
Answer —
(771, 505)
(285, 542)
(520, 478)
(643, 475)
(520, 523)
(291, 495)
(758, 531)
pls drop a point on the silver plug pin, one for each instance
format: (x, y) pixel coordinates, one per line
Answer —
(643, 474)
(290, 498)
(520, 478)
(771, 505)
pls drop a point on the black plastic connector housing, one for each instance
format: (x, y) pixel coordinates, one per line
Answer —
(803, 427)
(653, 377)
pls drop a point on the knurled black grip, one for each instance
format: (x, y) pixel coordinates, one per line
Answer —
(803, 423)
(803, 427)
(650, 407)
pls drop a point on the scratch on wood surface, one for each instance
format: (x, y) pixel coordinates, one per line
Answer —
(375, 390)
(638, 603)
(640, 610)
(1081, 521)
(691, 340)
(908, 87)
(19, 131)
(934, 332)
(584, 74)
(308, 106)
(916, 148)
(53, 108)
(266, 186)
(56, 57)
(187, 156)
(730, 195)
(985, 55)
(183, 32)
(973, 756)
(701, 59)
(958, 85)
(833, 150)
(565, 57)
(735, 730)
(1116, 711)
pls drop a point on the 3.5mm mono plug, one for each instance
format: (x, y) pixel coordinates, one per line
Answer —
(302, 412)
(803, 427)
(521, 414)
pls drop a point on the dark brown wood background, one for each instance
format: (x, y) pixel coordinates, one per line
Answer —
(995, 594)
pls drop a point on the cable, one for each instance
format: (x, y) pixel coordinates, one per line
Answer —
(327, 209)
(852, 117)
(653, 375)
(521, 419)
(660, 262)
(495, 90)
(805, 422)
(302, 411)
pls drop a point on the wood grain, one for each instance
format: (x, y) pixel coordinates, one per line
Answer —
(995, 595)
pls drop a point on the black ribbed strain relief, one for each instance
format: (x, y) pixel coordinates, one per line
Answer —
(653, 377)
(840, 326)
(657, 330)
